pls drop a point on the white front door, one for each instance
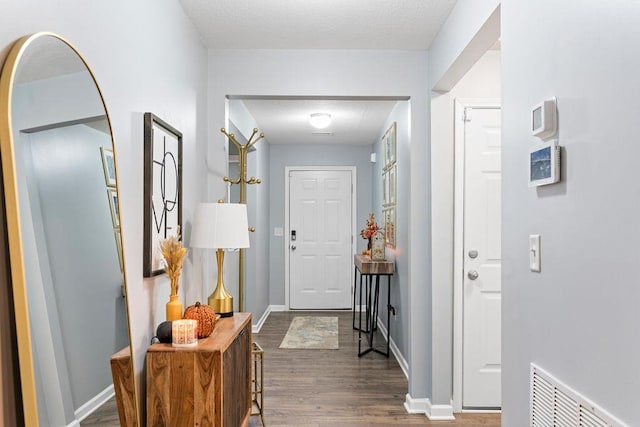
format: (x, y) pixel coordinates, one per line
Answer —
(320, 236)
(481, 371)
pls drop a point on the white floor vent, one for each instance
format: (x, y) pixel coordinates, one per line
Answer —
(553, 404)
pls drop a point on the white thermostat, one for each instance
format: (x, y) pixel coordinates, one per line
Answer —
(544, 164)
(544, 119)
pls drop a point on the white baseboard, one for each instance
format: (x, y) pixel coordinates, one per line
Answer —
(416, 406)
(257, 326)
(424, 406)
(440, 412)
(404, 365)
(87, 409)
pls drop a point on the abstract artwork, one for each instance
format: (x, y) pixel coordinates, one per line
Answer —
(162, 189)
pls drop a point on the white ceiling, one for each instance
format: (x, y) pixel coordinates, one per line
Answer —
(353, 121)
(318, 24)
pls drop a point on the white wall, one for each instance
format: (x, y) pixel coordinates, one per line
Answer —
(345, 73)
(146, 56)
(482, 81)
(578, 318)
(469, 31)
(462, 32)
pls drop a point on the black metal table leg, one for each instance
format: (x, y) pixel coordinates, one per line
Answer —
(388, 312)
(355, 287)
(372, 296)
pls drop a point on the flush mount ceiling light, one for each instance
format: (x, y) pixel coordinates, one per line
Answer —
(320, 120)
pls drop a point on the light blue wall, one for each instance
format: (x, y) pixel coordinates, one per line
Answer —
(70, 250)
(578, 317)
(257, 256)
(399, 324)
(344, 73)
(79, 243)
(147, 56)
(311, 155)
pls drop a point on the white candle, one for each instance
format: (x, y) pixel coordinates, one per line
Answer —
(184, 333)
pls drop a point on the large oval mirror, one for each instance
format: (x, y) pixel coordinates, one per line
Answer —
(64, 230)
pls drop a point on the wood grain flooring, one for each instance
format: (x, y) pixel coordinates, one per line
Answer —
(328, 388)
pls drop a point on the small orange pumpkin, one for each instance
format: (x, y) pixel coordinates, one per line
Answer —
(205, 315)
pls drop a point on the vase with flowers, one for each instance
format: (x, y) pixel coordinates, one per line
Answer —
(173, 252)
(369, 230)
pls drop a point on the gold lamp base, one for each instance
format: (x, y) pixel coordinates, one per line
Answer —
(220, 299)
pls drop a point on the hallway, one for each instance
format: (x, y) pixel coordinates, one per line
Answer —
(326, 388)
(331, 388)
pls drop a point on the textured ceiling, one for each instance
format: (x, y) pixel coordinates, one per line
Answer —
(318, 24)
(286, 121)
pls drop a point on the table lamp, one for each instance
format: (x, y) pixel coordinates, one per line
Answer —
(220, 226)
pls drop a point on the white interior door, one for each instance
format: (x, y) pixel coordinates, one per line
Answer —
(481, 371)
(319, 239)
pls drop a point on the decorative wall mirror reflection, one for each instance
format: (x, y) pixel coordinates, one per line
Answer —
(67, 277)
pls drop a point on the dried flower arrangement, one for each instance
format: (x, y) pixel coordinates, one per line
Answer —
(370, 228)
(173, 253)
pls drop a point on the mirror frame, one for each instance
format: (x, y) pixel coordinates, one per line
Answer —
(14, 229)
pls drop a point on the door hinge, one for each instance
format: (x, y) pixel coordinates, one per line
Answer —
(467, 114)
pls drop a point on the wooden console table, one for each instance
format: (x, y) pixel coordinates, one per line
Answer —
(123, 384)
(371, 270)
(207, 385)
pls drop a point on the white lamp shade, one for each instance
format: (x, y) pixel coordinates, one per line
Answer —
(220, 226)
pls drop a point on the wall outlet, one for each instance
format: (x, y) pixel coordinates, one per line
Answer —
(278, 231)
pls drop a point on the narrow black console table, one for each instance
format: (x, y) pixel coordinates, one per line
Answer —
(371, 270)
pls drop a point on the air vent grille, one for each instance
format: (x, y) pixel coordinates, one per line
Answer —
(553, 404)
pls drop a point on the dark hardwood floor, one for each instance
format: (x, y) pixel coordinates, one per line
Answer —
(328, 388)
(331, 388)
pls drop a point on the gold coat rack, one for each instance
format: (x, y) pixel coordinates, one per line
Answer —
(242, 181)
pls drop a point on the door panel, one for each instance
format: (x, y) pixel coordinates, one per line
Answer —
(320, 256)
(482, 256)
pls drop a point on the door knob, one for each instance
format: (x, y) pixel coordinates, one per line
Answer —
(473, 275)
(293, 247)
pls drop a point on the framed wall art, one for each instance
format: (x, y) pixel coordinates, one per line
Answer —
(393, 184)
(113, 206)
(389, 146)
(162, 189)
(389, 184)
(385, 188)
(390, 226)
(109, 166)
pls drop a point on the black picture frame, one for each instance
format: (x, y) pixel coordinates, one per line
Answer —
(162, 189)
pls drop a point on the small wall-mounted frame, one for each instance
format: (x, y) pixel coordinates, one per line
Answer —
(544, 119)
(113, 206)
(544, 164)
(393, 184)
(389, 146)
(109, 166)
(389, 215)
(162, 189)
(385, 188)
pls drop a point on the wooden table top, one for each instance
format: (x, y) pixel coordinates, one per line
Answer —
(222, 336)
(366, 265)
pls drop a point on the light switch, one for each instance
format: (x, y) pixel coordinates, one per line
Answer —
(278, 231)
(534, 252)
